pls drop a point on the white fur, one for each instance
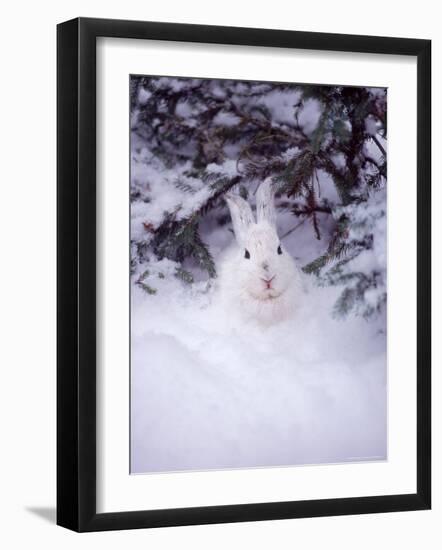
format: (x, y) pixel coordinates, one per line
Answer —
(242, 281)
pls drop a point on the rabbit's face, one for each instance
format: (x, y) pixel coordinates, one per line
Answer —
(266, 269)
(263, 269)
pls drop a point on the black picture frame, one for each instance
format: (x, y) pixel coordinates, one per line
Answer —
(76, 274)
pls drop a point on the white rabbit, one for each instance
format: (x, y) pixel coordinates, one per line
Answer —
(257, 275)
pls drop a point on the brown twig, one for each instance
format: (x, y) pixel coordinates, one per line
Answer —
(287, 233)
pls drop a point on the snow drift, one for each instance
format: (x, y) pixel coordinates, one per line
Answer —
(208, 392)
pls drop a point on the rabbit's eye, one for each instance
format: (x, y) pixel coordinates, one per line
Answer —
(279, 249)
(247, 254)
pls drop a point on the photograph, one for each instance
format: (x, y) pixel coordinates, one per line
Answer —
(258, 274)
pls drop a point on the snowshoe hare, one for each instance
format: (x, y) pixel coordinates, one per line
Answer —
(257, 275)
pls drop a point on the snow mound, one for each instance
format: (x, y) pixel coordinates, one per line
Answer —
(208, 392)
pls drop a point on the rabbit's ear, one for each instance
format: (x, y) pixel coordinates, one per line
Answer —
(242, 216)
(265, 206)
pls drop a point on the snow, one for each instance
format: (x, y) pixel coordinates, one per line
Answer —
(228, 167)
(176, 84)
(371, 126)
(327, 189)
(280, 104)
(339, 160)
(224, 118)
(211, 393)
(290, 154)
(184, 109)
(372, 149)
(143, 96)
(309, 115)
(160, 187)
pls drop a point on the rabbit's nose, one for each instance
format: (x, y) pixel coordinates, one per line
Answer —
(268, 282)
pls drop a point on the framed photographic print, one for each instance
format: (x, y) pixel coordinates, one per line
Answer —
(243, 274)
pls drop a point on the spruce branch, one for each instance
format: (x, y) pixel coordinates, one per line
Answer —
(379, 145)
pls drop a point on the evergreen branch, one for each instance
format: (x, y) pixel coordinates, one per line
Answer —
(142, 284)
(184, 275)
(290, 231)
(380, 147)
(295, 177)
(307, 211)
